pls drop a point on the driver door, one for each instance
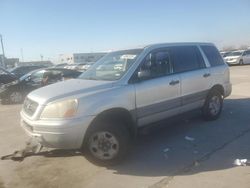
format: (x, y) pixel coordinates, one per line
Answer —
(158, 89)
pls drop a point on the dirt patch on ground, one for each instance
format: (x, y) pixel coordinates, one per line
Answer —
(1, 183)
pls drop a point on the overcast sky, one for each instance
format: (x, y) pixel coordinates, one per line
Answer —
(52, 27)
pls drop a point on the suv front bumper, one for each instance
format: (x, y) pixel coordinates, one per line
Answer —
(61, 134)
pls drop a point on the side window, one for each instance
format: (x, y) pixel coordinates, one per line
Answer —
(187, 58)
(55, 76)
(212, 55)
(157, 64)
(37, 77)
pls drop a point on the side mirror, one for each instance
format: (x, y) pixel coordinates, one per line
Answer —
(143, 74)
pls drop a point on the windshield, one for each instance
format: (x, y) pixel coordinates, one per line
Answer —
(24, 77)
(225, 54)
(29, 74)
(238, 53)
(112, 66)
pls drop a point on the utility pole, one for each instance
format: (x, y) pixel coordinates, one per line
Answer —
(3, 51)
(22, 54)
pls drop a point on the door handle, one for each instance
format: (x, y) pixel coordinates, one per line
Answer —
(174, 82)
(206, 75)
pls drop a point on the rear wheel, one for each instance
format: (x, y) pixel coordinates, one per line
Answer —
(241, 62)
(107, 143)
(213, 105)
(15, 97)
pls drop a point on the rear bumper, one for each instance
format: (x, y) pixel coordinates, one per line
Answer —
(67, 134)
(227, 90)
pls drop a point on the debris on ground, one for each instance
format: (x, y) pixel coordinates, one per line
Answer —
(32, 147)
(196, 163)
(165, 151)
(241, 162)
(189, 138)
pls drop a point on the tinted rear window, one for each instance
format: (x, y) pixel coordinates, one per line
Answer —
(212, 55)
(187, 58)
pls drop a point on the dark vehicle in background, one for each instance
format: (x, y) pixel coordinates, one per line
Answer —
(6, 76)
(61, 65)
(84, 67)
(20, 71)
(79, 66)
(15, 91)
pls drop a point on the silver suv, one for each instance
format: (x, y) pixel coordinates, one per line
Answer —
(102, 110)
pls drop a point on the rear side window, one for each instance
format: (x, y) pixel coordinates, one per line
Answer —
(212, 55)
(248, 52)
(187, 58)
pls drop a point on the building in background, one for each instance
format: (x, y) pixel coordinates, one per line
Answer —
(9, 62)
(80, 57)
(12, 62)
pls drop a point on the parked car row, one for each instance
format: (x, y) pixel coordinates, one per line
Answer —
(79, 66)
(22, 70)
(16, 83)
(237, 57)
(15, 90)
(6, 76)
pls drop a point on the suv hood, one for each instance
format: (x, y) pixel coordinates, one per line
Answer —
(68, 88)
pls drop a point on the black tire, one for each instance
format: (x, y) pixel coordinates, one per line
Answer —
(211, 113)
(18, 99)
(118, 131)
(241, 62)
(4, 101)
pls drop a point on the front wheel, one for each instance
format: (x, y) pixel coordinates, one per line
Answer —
(107, 143)
(213, 105)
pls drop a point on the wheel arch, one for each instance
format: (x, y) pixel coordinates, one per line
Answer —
(116, 114)
(219, 88)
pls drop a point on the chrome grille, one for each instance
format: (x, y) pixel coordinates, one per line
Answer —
(29, 106)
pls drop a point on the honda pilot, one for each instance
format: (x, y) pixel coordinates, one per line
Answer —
(102, 110)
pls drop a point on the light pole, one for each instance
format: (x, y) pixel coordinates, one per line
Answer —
(2, 51)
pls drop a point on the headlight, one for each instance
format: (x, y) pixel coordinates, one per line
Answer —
(63, 109)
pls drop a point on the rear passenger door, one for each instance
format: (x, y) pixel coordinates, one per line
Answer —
(195, 77)
(158, 94)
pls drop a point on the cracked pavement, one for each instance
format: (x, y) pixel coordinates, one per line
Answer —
(161, 157)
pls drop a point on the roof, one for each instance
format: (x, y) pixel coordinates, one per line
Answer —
(178, 44)
(156, 45)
